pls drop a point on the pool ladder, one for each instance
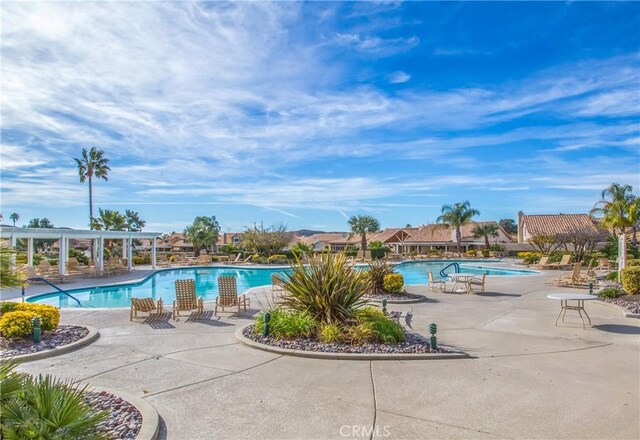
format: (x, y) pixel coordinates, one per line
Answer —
(52, 285)
(456, 269)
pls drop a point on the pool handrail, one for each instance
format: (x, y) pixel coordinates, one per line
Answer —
(456, 269)
(44, 280)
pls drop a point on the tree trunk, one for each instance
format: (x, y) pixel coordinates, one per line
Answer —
(458, 240)
(196, 251)
(90, 202)
(363, 244)
(486, 241)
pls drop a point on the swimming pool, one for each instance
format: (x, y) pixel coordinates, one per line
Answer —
(161, 284)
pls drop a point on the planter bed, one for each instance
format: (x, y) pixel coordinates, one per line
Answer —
(124, 420)
(61, 336)
(629, 303)
(414, 343)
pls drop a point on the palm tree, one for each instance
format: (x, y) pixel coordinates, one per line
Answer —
(93, 163)
(456, 216)
(14, 217)
(202, 233)
(363, 224)
(487, 230)
(109, 220)
(618, 208)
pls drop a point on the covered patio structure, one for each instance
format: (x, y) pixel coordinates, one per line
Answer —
(65, 234)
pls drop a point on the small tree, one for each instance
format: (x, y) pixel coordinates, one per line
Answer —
(581, 241)
(363, 225)
(14, 217)
(266, 241)
(203, 233)
(545, 244)
(301, 249)
(509, 225)
(486, 231)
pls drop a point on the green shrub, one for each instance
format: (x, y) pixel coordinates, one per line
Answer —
(609, 292)
(378, 270)
(486, 253)
(611, 276)
(138, 260)
(49, 315)
(388, 331)
(367, 314)
(286, 325)
(215, 259)
(361, 333)
(350, 252)
(471, 253)
(330, 333)
(277, 259)
(393, 282)
(631, 280)
(46, 408)
(633, 262)
(78, 255)
(16, 324)
(328, 289)
(7, 306)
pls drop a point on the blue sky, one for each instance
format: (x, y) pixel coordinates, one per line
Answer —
(308, 113)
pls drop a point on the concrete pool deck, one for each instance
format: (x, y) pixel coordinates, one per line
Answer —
(527, 378)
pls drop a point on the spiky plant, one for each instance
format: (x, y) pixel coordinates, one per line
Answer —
(10, 275)
(48, 408)
(378, 269)
(328, 289)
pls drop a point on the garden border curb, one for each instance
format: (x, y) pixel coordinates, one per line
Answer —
(150, 429)
(349, 356)
(91, 337)
(625, 312)
(422, 299)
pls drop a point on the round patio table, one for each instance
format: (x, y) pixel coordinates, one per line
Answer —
(460, 278)
(564, 299)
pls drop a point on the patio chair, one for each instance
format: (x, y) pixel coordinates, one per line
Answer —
(228, 295)
(570, 278)
(277, 285)
(145, 305)
(441, 283)
(542, 264)
(476, 284)
(204, 260)
(563, 264)
(186, 299)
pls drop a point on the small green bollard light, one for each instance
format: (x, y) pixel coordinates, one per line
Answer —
(384, 306)
(433, 328)
(590, 288)
(37, 331)
(265, 329)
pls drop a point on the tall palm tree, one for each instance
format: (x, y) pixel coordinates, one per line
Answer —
(93, 163)
(618, 208)
(457, 216)
(362, 225)
(487, 230)
(14, 217)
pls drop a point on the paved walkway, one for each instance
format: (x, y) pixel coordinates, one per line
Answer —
(527, 378)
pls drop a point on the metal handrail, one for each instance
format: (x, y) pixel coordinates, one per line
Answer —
(52, 285)
(456, 268)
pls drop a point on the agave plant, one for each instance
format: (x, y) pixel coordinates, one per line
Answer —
(45, 408)
(378, 269)
(328, 289)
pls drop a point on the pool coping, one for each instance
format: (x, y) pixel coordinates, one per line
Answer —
(454, 354)
(91, 337)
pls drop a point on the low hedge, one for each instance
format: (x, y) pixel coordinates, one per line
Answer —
(393, 282)
(14, 316)
(631, 280)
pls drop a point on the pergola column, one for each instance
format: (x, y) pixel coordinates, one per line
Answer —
(62, 255)
(130, 253)
(30, 251)
(101, 253)
(13, 246)
(153, 253)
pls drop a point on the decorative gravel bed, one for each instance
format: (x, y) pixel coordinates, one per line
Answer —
(630, 304)
(124, 420)
(392, 296)
(63, 335)
(414, 343)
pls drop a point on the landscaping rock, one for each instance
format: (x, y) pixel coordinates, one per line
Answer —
(123, 423)
(63, 335)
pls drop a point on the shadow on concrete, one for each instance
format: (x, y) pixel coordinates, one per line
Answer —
(247, 314)
(515, 295)
(161, 321)
(619, 328)
(162, 431)
(208, 318)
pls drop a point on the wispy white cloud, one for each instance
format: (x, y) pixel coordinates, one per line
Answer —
(399, 77)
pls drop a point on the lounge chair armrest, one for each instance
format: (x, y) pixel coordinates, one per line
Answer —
(160, 306)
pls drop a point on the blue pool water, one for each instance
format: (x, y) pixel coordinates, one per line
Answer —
(162, 284)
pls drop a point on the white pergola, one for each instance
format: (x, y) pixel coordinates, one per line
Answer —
(64, 235)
